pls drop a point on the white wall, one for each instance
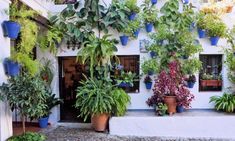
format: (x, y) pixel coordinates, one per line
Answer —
(5, 114)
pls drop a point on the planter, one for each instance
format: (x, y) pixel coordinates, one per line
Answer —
(132, 16)
(214, 40)
(201, 33)
(185, 1)
(149, 27)
(150, 72)
(148, 85)
(43, 122)
(124, 85)
(191, 84)
(211, 83)
(11, 29)
(153, 54)
(170, 101)
(185, 57)
(154, 2)
(180, 109)
(99, 122)
(136, 33)
(124, 40)
(11, 68)
(229, 8)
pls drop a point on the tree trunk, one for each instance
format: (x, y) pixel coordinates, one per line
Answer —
(23, 123)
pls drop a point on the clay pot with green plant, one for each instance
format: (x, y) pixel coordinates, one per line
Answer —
(150, 66)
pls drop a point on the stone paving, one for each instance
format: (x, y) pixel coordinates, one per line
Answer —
(62, 133)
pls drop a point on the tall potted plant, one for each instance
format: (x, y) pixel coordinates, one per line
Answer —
(134, 9)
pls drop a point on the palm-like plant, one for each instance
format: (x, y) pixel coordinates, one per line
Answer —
(226, 102)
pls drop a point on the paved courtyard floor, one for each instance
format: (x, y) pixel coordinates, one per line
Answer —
(64, 133)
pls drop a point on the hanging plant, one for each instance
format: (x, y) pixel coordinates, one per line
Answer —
(134, 9)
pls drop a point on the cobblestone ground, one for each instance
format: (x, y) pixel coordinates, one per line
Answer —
(74, 134)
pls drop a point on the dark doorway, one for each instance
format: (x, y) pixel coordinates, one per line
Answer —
(70, 75)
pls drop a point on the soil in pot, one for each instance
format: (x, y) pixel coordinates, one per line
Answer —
(99, 122)
(170, 101)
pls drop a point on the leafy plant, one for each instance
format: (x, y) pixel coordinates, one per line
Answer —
(201, 20)
(28, 136)
(215, 26)
(191, 66)
(148, 79)
(46, 72)
(127, 78)
(132, 6)
(94, 97)
(150, 65)
(149, 13)
(206, 76)
(226, 102)
(121, 100)
(26, 94)
(161, 109)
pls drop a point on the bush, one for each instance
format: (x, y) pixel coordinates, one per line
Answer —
(28, 136)
(225, 103)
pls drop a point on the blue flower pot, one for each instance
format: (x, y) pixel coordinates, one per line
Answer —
(132, 16)
(43, 122)
(150, 72)
(11, 68)
(201, 33)
(153, 54)
(185, 57)
(190, 84)
(154, 2)
(148, 85)
(214, 40)
(149, 27)
(185, 1)
(136, 33)
(11, 29)
(124, 40)
(124, 85)
(180, 109)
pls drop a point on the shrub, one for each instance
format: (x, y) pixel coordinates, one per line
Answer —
(226, 102)
(28, 136)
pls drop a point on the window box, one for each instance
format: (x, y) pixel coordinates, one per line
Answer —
(211, 83)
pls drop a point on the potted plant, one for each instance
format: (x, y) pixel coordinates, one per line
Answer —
(126, 79)
(27, 94)
(134, 9)
(161, 109)
(149, 15)
(11, 67)
(208, 80)
(46, 71)
(225, 103)
(154, 2)
(215, 28)
(150, 67)
(127, 32)
(148, 82)
(94, 98)
(185, 1)
(135, 26)
(153, 50)
(191, 81)
(201, 25)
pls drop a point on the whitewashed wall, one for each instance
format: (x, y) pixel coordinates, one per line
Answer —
(138, 100)
(5, 113)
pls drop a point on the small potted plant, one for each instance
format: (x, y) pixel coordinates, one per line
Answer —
(134, 9)
(208, 80)
(127, 32)
(126, 79)
(148, 82)
(135, 26)
(191, 81)
(150, 67)
(153, 50)
(201, 25)
(161, 109)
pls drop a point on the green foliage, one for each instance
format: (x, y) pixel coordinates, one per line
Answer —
(126, 77)
(206, 76)
(225, 103)
(28, 136)
(215, 26)
(201, 20)
(161, 109)
(132, 6)
(97, 52)
(191, 66)
(149, 13)
(230, 60)
(94, 97)
(46, 72)
(134, 25)
(150, 65)
(121, 100)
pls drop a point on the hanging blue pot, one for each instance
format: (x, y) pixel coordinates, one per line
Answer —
(11, 29)
(148, 85)
(124, 40)
(185, 1)
(132, 16)
(11, 68)
(179, 109)
(153, 54)
(136, 33)
(214, 40)
(149, 27)
(124, 85)
(191, 84)
(201, 33)
(43, 122)
(150, 72)
(154, 2)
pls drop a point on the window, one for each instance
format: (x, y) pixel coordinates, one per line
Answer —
(210, 75)
(131, 63)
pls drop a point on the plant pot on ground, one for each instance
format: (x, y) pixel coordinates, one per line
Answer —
(180, 109)
(170, 101)
(100, 121)
(148, 82)
(161, 109)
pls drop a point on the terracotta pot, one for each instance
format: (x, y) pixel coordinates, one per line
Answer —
(214, 83)
(229, 8)
(170, 101)
(99, 122)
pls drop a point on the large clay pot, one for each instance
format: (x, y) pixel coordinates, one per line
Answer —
(170, 101)
(99, 122)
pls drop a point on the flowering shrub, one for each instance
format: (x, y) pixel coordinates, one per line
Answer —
(171, 83)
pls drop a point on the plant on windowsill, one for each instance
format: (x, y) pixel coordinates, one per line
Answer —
(225, 103)
(148, 82)
(126, 79)
(149, 15)
(150, 67)
(134, 9)
(211, 80)
(161, 109)
(28, 136)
